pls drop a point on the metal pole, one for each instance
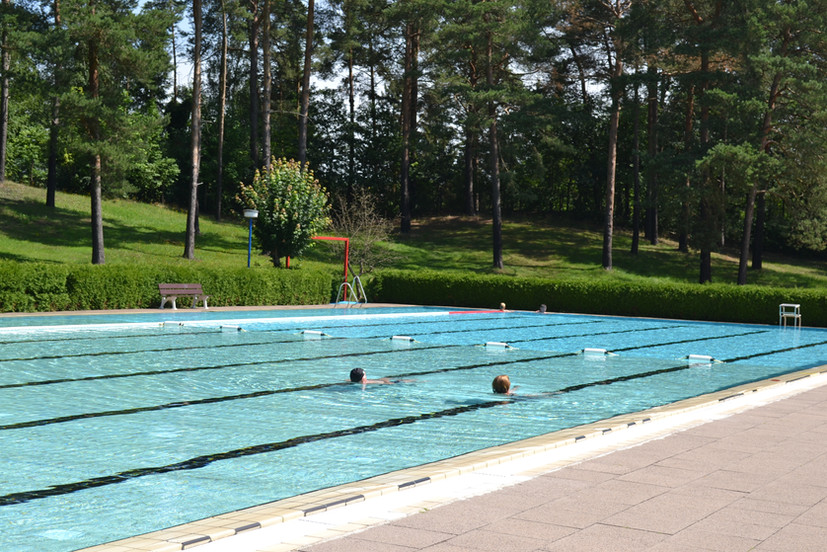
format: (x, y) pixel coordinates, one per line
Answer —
(249, 242)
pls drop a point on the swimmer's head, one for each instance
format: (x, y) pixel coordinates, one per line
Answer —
(356, 375)
(501, 384)
(502, 306)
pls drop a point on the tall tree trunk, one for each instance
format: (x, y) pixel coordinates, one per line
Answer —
(705, 266)
(192, 214)
(54, 125)
(93, 127)
(407, 127)
(266, 87)
(305, 97)
(351, 131)
(611, 164)
(470, 153)
(766, 130)
(470, 158)
(96, 194)
(374, 123)
(581, 74)
(636, 170)
(253, 26)
(5, 67)
(496, 203)
(222, 112)
(51, 175)
(174, 44)
(683, 231)
(705, 210)
(652, 150)
(758, 239)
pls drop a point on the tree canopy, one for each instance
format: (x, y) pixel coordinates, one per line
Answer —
(702, 120)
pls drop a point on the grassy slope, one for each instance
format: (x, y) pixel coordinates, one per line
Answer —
(140, 233)
(133, 232)
(543, 248)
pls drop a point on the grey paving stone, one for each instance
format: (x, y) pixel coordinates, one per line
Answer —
(495, 542)
(796, 538)
(353, 544)
(606, 538)
(696, 539)
(666, 513)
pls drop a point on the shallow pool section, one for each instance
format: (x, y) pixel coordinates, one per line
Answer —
(117, 428)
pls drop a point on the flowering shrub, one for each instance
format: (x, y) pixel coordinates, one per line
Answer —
(292, 208)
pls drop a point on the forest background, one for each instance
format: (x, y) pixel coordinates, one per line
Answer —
(703, 121)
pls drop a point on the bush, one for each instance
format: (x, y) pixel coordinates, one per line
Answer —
(717, 302)
(292, 208)
(34, 287)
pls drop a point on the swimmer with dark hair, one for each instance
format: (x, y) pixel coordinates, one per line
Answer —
(357, 375)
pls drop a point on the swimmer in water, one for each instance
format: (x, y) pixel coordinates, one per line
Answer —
(502, 385)
(357, 375)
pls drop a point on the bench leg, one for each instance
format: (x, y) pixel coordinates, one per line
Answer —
(164, 302)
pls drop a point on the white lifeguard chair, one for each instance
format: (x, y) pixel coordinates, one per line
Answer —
(789, 310)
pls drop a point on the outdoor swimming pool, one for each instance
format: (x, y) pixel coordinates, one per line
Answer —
(187, 419)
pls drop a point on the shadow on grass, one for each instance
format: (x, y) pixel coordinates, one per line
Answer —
(549, 248)
(30, 221)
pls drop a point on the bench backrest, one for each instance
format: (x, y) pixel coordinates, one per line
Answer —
(172, 289)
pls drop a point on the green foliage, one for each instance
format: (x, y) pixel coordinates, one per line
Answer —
(716, 302)
(292, 208)
(366, 230)
(33, 287)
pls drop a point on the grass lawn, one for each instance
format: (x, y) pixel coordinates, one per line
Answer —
(152, 234)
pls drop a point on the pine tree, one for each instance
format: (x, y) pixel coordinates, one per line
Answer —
(123, 61)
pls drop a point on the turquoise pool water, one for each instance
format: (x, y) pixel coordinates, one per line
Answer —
(111, 427)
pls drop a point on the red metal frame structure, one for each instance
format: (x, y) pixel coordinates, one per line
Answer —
(347, 248)
(333, 238)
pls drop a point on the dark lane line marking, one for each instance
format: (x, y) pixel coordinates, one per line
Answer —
(250, 344)
(202, 461)
(101, 335)
(218, 367)
(215, 329)
(690, 340)
(468, 330)
(211, 400)
(614, 332)
(788, 349)
(163, 350)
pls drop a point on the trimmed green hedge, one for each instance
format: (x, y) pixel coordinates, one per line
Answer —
(33, 287)
(715, 302)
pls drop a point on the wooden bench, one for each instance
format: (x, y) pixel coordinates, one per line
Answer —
(171, 292)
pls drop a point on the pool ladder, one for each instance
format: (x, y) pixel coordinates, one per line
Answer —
(353, 292)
